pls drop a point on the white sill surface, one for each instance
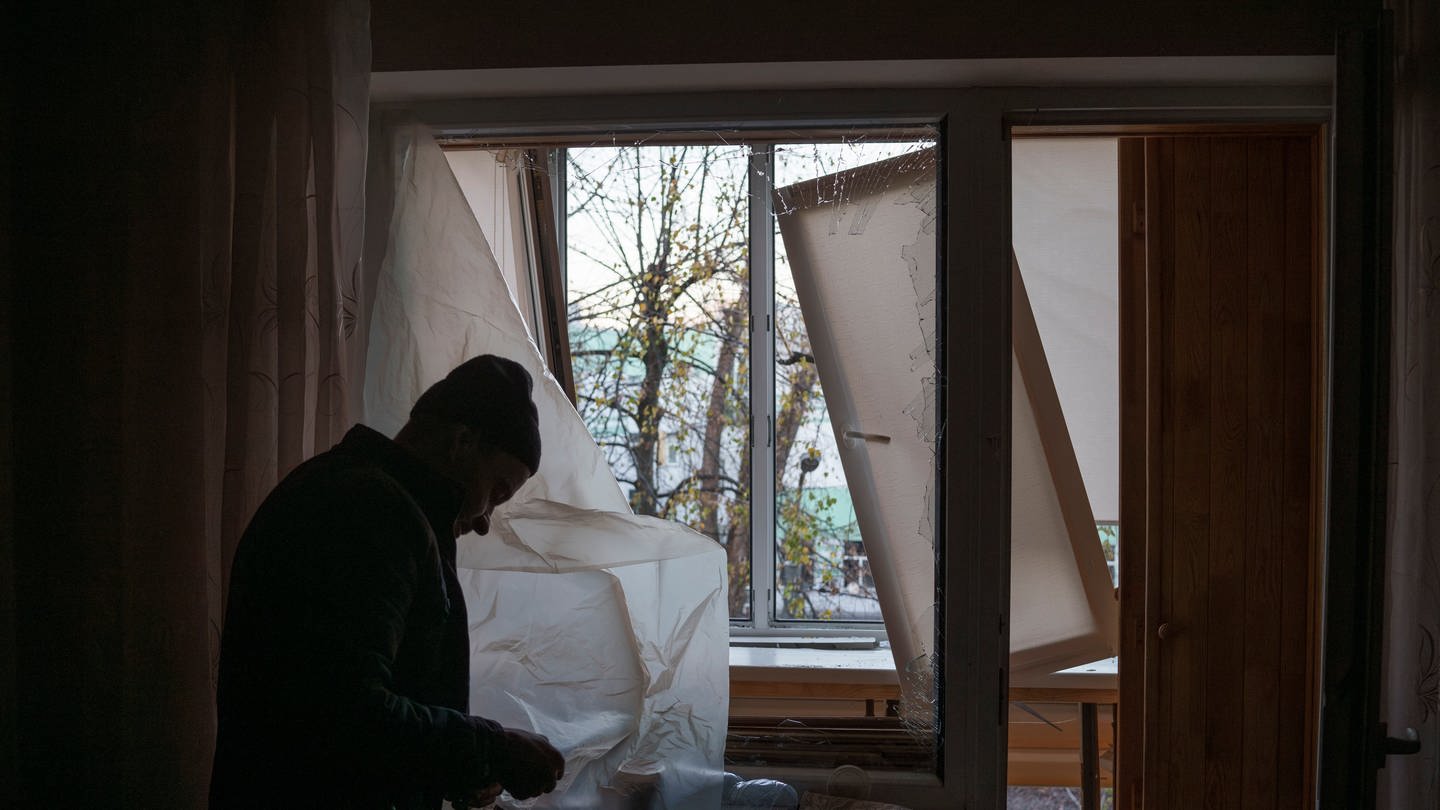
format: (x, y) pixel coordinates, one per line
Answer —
(1106, 666)
(811, 642)
(812, 665)
(1102, 674)
(877, 666)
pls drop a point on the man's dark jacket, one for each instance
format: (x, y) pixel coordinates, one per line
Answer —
(344, 663)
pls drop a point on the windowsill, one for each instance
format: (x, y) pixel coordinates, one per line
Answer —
(807, 642)
(1089, 681)
(812, 665)
(792, 671)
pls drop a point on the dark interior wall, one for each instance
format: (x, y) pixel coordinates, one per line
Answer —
(64, 344)
(460, 34)
(9, 702)
(111, 698)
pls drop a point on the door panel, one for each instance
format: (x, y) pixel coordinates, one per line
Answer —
(1298, 703)
(1184, 261)
(1226, 666)
(1227, 496)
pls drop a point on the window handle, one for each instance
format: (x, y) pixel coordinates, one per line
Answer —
(865, 437)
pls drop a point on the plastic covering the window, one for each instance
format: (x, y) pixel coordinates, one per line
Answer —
(602, 630)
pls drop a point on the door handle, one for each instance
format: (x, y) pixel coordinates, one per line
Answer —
(1405, 746)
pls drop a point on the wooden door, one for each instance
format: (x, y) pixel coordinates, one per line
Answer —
(1220, 276)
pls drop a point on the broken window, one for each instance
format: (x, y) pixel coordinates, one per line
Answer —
(694, 366)
(752, 327)
(752, 335)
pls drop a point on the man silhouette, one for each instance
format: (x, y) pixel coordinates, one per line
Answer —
(344, 664)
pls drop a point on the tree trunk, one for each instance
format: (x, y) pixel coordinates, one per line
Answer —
(737, 546)
(790, 416)
(716, 422)
(655, 355)
(792, 412)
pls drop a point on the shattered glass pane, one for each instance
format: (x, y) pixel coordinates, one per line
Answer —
(861, 259)
(659, 288)
(823, 571)
(657, 249)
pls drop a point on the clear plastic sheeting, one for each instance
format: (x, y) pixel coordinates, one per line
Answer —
(605, 631)
(612, 647)
(440, 299)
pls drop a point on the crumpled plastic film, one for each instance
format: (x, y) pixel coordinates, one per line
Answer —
(621, 645)
(441, 299)
(605, 631)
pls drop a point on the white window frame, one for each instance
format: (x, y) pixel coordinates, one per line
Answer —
(972, 644)
(763, 542)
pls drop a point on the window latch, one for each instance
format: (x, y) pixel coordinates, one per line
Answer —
(857, 436)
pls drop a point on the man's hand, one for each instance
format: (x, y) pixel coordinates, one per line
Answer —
(528, 764)
(478, 798)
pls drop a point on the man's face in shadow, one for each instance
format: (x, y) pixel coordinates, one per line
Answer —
(489, 477)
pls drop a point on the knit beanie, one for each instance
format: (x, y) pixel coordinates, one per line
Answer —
(491, 395)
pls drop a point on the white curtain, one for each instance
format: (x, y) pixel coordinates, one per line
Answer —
(283, 314)
(188, 340)
(605, 631)
(1412, 577)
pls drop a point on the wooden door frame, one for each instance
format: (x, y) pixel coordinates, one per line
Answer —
(1352, 740)
(1140, 402)
(1142, 469)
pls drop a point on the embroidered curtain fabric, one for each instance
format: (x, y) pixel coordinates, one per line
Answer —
(183, 337)
(283, 319)
(1411, 685)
